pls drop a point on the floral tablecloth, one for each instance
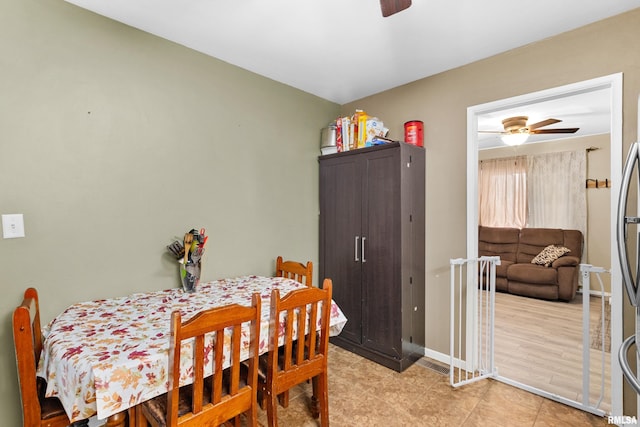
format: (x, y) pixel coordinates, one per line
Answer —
(103, 357)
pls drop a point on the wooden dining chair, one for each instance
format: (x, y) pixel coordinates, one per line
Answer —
(295, 270)
(303, 355)
(37, 410)
(228, 392)
(299, 272)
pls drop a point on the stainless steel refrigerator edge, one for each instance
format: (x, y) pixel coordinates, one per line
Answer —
(630, 279)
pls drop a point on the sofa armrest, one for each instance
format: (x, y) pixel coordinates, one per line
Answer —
(566, 261)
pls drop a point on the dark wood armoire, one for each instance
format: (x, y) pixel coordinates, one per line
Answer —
(372, 222)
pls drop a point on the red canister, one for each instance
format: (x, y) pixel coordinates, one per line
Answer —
(414, 133)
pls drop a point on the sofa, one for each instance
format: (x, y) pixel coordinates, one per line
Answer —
(556, 254)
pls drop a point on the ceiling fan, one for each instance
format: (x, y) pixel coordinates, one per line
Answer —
(516, 131)
(389, 7)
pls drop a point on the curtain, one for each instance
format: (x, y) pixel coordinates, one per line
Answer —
(557, 194)
(502, 192)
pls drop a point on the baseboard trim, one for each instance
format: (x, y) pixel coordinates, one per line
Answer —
(443, 358)
(598, 294)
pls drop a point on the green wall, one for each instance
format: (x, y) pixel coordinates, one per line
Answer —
(114, 142)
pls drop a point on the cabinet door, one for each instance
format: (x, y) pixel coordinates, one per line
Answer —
(340, 234)
(382, 317)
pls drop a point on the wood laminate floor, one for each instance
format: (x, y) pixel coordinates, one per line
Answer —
(539, 343)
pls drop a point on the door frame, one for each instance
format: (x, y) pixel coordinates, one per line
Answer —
(614, 83)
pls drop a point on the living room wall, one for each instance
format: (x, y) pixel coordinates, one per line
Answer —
(115, 142)
(441, 102)
(598, 238)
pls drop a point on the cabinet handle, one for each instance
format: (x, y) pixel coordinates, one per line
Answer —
(355, 247)
(363, 258)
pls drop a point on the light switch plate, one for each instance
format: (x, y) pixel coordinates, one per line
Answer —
(12, 226)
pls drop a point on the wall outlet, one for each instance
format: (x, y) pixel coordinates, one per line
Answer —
(12, 226)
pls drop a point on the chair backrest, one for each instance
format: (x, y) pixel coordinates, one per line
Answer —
(27, 338)
(303, 355)
(227, 399)
(295, 270)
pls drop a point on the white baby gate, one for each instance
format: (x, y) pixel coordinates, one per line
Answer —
(472, 316)
(586, 270)
(472, 330)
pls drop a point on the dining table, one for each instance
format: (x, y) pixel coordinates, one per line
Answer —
(102, 358)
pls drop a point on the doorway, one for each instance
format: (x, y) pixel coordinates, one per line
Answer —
(613, 85)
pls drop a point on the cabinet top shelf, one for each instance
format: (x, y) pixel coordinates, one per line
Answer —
(372, 148)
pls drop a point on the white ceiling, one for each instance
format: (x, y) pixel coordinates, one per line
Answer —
(589, 111)
(343, 50)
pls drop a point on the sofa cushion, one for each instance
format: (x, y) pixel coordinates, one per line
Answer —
(573, 240)
(550, 254)
(532, 273)
(498, 241)
(502, 284)
(534, 240)
(549, 292)
(566, 261)
(501, 269)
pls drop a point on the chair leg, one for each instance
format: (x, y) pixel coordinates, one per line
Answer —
(133, 420)
(315, 407)
(320, 399)
(272, 406)
(253, 416)
(284, 399)
(140, 419)
(324, 399)
(262, 396)
(117, 420)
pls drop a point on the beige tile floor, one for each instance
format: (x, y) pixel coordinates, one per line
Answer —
(363, 393)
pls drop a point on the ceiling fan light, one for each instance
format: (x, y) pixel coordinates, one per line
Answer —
(514, 139)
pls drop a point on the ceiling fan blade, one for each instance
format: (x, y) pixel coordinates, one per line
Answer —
(389, 7)
(565, 130)
(543, 123)
(492, 131)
